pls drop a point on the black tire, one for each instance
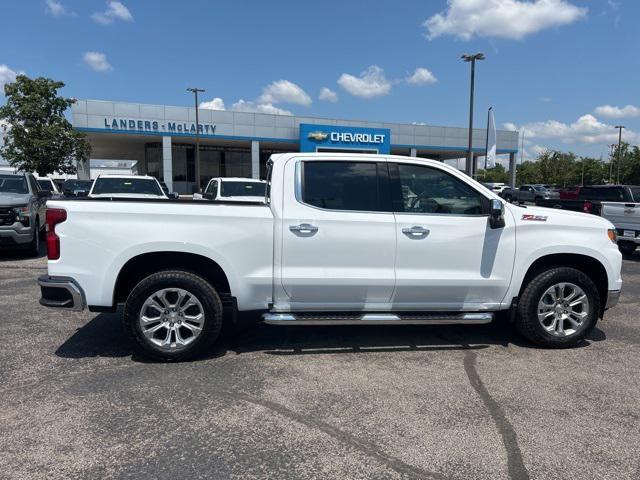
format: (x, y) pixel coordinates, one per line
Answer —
(527, 321)
(196, 286)
(34, 245)
(627, 248)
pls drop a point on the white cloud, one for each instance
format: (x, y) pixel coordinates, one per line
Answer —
(57, 9)
(215, 104)
(281, 91)
(328, 95)
(284, 91)
(97, 61)
(421, 76)
(512, 19)
(585, 130)
(371, 83)
(253, 107)
(7, 75)
(115, 11)
(610, 111)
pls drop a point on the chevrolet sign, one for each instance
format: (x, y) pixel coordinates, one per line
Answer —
(317, 136)
(314, 137)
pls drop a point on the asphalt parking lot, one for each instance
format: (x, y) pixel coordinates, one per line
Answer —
(326, 402)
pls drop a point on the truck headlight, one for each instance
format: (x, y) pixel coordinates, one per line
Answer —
(613, 236)
(22, 214)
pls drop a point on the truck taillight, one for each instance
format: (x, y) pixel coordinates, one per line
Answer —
(587, 207)
(54, 217)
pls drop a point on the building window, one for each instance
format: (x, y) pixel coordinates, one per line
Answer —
(265, 153)
(153, 160)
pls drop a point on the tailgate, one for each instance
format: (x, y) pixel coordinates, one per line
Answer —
(625, 216)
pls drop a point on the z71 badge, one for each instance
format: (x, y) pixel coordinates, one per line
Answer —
(535, 218)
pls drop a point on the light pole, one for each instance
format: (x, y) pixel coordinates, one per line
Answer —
(612, 146)
(619, 127)
(471, 58)
(195, 91)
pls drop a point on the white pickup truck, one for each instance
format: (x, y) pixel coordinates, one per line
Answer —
(339, 239)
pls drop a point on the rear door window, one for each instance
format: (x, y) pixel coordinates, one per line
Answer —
(354, 186)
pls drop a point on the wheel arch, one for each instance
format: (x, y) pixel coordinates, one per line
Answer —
(145, 264)
(590, 266)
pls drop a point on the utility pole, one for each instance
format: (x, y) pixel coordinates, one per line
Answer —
(195, 91)
(471, 58)
(619, 127)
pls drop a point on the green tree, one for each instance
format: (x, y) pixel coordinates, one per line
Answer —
(590, 171)
(528, 172)
(497, 174)
(38, 137)
(630, 168)
(629, 164)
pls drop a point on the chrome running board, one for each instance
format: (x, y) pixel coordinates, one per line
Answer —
(437, 318)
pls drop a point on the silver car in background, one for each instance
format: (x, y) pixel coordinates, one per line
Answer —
(22, 211)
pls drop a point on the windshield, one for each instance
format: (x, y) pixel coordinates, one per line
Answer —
(77, 185)
(242, 189)
(13, 184)
(45, 184)
(126, 185)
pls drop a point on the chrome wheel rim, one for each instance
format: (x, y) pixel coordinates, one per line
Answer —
(563, 309)
(171, 319)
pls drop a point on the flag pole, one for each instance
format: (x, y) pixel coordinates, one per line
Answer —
(486, 148)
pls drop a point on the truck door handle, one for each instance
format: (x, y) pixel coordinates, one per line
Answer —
(415, 232)
(305, 228)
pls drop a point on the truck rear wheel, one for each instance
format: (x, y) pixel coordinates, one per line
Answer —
(173, 315)
(558, 308)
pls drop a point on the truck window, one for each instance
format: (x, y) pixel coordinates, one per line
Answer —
(341, 186)
(605, 194)
(13, 184)
(430, 190)
(212, 188)
(35, 188)
(635, 191)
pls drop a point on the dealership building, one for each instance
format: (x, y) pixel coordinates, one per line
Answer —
(161, 139)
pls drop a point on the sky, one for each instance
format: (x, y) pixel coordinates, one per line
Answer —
(564, 71)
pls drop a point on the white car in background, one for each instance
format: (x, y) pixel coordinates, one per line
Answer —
(231, 189)
(126, 186)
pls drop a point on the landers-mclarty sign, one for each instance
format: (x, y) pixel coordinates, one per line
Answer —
(154, 126)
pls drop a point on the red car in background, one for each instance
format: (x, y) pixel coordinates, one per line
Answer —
(569, 193)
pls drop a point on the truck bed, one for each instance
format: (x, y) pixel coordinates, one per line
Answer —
(101, 235)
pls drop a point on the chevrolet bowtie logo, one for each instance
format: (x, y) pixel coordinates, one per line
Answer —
(317, 136)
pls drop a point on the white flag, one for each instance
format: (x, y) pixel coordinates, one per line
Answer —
(490, 161)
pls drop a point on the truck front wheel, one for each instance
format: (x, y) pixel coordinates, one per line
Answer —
(558, 308)
(173, 315)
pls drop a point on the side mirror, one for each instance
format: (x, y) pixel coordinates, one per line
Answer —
(173, 195)
(209, 196)
(197, 196)
(496, 214)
